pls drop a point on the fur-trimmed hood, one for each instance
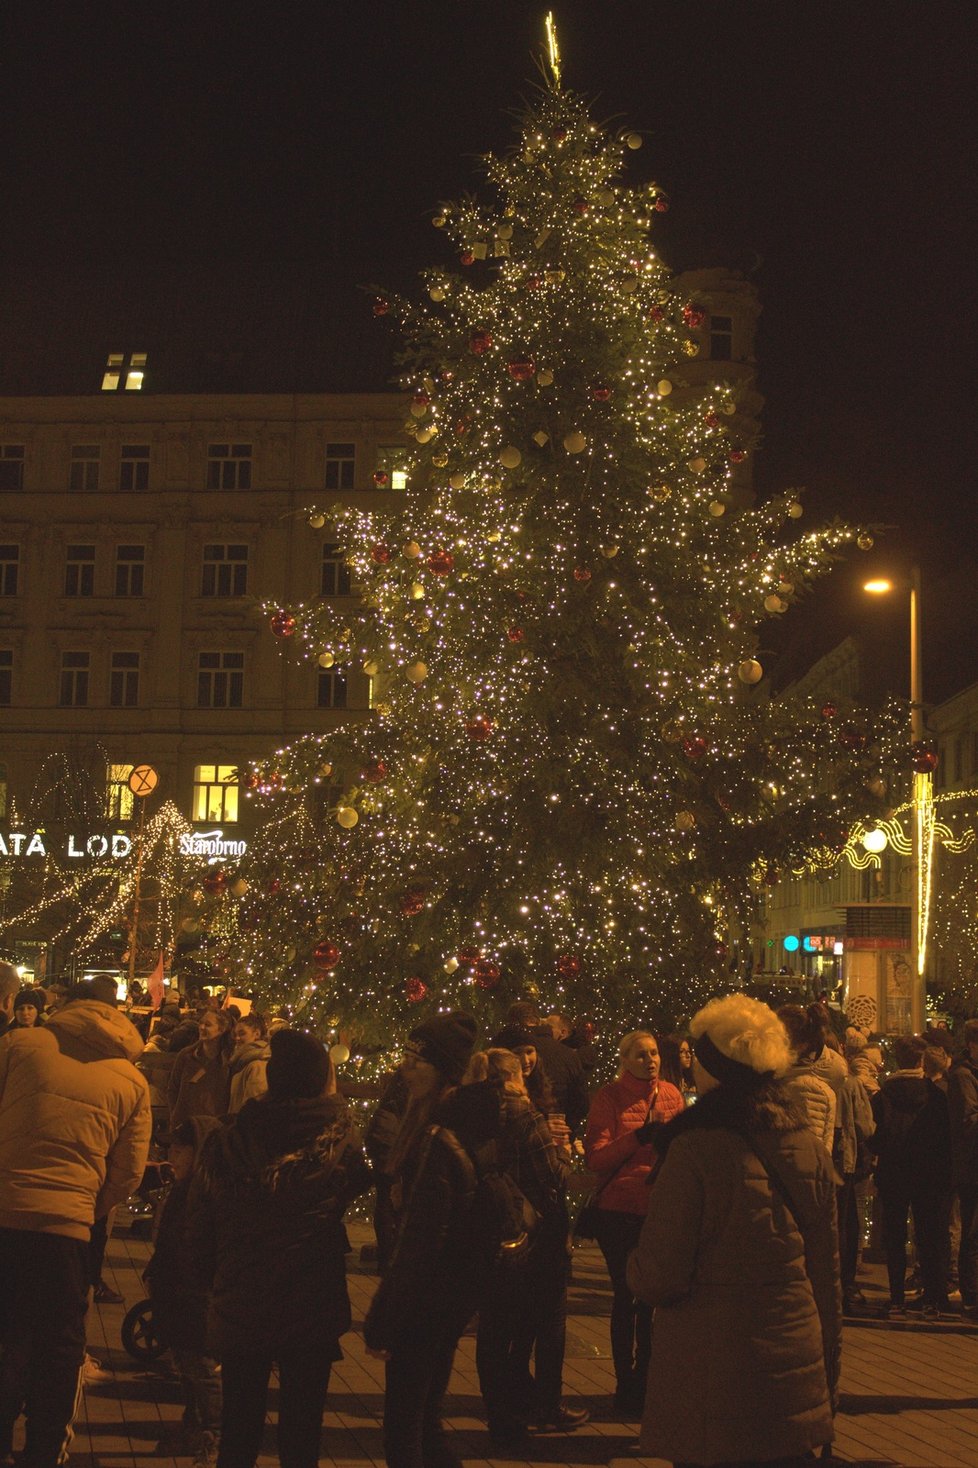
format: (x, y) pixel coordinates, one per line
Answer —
(767, 1109)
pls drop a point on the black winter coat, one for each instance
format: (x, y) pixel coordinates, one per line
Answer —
(912, 1140)
(266, 1224)
(179, 1299)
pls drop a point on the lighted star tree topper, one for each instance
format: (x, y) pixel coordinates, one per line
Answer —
(572, 781)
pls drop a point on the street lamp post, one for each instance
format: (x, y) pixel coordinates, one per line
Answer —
(920, 810)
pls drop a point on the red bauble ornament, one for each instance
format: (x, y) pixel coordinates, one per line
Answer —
(215, 881)
(515, 634)
(568, 966)
(521, 369)
(486, 973)
(923, 757)
(468, 956)
(581, 573)
(441, 562)
(326, 955)
(712, 420)
(771, 876)
(533, 282)
(600, 393)
(374, 772)
(381, 478)
(381, 306)
(380, 553)
(462, 427)
(581, 206)
(693, 316)
(479, 728)
(737, 456)
(480, 342)
(695, 747)
(412, 902)
(657, 314)
(251, 780)
(465, 258)
(559, 134)
(829, 710)
(282, 624)
(415, 990)
(852, 738)
(421, 399)
(662, 204)
(272, 886)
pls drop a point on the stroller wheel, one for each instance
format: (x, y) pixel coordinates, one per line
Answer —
(139, 1334)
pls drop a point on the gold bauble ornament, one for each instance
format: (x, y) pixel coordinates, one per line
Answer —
(325, 770)
(865, 542)
(750, 671)
(504, 232)
(685, 820)
(439, 460)
(785, 588)
(418, 410)
(425, 435)
(629, 285)
(660, 492)
(729, 407)
(697, 465)
(239, 887)
(775, 604)
(575, 442)
(347, 817)
(672, 731)
(417, 591)
(326, 660)
(383, 710)
(371, 667)
(494, 537)
(605, 197)
(691, 348)
(609, 552)
(437, 293)
(545, 377)
(456, 481)
(339, 1054)
(510, 457)
(411, 549)
(540, 438)
(664, 387)
(316, 520)
(189, 925)
(450, 965)
(876, 786)
(439, 221)
(554, 277)
(718, 508)
(633, 141)
(795, 511)
(416, 672)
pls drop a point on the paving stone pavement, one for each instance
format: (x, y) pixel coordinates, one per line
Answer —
(909, 1390)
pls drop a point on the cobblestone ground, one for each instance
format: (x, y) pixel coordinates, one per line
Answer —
(910, 1392)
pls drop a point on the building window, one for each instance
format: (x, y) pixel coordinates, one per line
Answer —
(220, 680)
(74, 680)
(331, 691)
(84, 467)
(124, 680)
(119, 799)
(335, 579)
(6, 676)
(130, 565)
(11, 466)
(391, 471)
(721, 338)
(134, 468)
(80, 570)
(341, 464)
(9, 569)
(224, 571)
(122, 374)
(229, 466)
(215, 794)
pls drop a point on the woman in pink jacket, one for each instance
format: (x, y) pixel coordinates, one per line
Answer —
(622, 1121)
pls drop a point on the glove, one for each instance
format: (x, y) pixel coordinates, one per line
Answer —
(646, 1132)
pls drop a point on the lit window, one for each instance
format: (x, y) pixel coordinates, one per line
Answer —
(112, 375)
(80, 570)
(118, 372)
(335, 579)
(224, 571)
(119, 799)
(134, 469)
(73, 692)
(229, 466)
(341, 464)
(9, 569)
(130, 564)
(83, 476)
(215, 794)
(124, 680)
(220, 680)
(721, 338)
(6, 676)
(331, 691)
(391, 462)
(11, 466)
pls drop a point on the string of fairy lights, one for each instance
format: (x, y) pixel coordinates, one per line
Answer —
(572, 781)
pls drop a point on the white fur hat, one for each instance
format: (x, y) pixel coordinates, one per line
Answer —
(744, 1031)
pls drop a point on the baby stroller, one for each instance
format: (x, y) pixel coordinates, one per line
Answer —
(141, 1338)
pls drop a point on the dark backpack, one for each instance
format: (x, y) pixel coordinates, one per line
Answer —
(501, 1221)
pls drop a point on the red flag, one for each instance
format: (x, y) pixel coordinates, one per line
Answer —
(154, 983)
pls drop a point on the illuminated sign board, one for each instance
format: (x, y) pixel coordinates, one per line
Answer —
(115, 846)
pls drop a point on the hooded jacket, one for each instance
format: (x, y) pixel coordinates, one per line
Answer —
(815, 1099)
(962, 1102)
(75, 1119)
(748, 1319)
(912, 1141)
(247, 1068)
(265, 1224)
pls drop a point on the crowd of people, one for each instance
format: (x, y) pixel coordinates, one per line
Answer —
(733, 1168)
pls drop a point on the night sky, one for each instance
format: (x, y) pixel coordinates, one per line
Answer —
(213, 182)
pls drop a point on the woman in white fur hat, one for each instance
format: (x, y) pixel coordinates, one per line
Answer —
(739, 1257)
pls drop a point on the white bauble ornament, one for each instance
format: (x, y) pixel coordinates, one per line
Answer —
(510, 457)
(575, 442)
(775, 604)
(664, 387)
(633, 141)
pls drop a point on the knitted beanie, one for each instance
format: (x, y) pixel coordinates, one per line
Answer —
(512, 1035)
(445, 1041)
(298, 1066)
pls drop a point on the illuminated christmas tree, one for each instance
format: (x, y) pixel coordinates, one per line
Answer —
(572, 780)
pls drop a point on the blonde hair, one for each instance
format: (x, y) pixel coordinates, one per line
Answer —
(627, 1041)
(501, 1067)
(745, 1030)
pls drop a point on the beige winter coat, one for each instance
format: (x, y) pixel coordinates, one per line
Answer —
(815, 1098)
(74, 1120)
(745, 1342)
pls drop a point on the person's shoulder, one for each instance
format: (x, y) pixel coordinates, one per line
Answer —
(671, 1096)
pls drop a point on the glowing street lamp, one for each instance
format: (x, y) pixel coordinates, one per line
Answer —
(922, 826)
